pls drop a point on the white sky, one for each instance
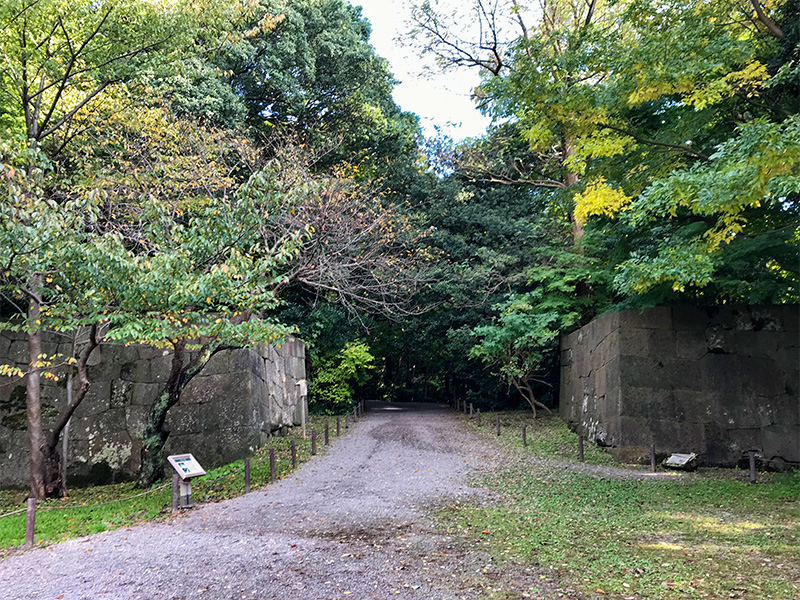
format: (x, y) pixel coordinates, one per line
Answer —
(439, 99)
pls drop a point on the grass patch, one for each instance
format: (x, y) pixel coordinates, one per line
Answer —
(547, 436)
(101, 508)
(708, 535)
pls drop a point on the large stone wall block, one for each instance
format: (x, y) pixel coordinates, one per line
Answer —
(137, 371)
(161, 367)
(96, 401)
(135, 419)
(5, 344)
(721, 373)
(690, 345)
(653, 318)
(144, 394)
(742, 414)
(634, 342)
(186, 419)
(18, 352)
(222, 415)
(696, 406)
(218, 364)
(238, 400)
(742, 440)
(105, 371)
(230, 387)
(781, 441)
(761, 376)
(717, 381)
(648, 403)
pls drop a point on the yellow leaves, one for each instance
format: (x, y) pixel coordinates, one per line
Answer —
(747, 80)
(598, 199)
(654, 90)
(10, 371)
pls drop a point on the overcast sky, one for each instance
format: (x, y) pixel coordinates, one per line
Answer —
(438, 99)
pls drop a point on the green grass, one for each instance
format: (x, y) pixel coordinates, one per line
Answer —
(708, 535)
(101, 508)
(547, 436)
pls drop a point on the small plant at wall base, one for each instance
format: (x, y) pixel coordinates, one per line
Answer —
(332, 383)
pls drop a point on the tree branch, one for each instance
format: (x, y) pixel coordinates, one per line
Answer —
(764, 18)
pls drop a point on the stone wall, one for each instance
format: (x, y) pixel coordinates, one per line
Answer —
(716, 381)
(240, 398)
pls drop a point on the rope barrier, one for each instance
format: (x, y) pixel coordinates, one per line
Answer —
(70, 506)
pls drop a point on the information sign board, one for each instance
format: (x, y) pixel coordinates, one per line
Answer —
(186, 466)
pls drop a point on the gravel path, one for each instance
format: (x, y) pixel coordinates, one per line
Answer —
(354, 523)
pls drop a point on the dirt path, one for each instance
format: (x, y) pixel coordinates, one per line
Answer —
(355, 523)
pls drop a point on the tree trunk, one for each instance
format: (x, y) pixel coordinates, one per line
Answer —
(156, 430)
(525, 390)
(570, 178)
(33, 395)
(55, 484)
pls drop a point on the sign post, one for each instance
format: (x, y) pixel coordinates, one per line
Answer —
(303, 389)
(187, 468)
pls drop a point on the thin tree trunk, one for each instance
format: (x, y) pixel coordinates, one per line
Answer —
(33, 395)
(55, 483)
(156, 430)
(525, 390)
(570, 178)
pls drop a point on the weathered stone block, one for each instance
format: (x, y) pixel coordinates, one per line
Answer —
(781, 440)
(5, 344)
(18, 352)
(144, 394)
(121, 393)
(97, 399)
(721, 373)
(186, 419)
(137, 371)
(218, 364)
(690, 344)
(653, 318)
(743, 440)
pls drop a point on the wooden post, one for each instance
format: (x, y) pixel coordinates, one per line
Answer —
(478, 417)
(326, 435)
(753, 474)
(338, 427)
(30, 522)
(355, 414)
(524, 435)
(272, 474)
(498, 425)
(653, 458)
(471, 411)
(580, 448)
(346, 420)
(294, 456)
(176, 484)
(246, 475)
(313, 442)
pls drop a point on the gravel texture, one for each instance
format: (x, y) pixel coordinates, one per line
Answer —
(356, 522)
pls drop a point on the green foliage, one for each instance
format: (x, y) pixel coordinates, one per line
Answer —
(521, 342)
(334, 377)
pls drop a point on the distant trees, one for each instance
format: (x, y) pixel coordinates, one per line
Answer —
(666, 135)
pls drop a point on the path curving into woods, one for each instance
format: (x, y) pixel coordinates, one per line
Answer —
(357, 522)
